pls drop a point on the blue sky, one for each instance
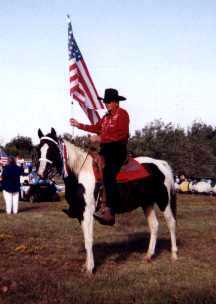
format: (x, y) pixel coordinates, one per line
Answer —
(158, 54)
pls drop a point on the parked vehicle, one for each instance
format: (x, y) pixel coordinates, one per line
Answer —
(43, 190)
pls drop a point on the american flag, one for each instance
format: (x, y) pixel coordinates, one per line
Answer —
(3, 158)
(82, 87)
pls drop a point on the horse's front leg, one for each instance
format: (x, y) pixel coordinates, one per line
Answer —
(153, 227)
(87, 226)
(88, 221)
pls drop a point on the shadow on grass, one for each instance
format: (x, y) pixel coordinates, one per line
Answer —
(32, 208)
(28, 209)
(136, 243)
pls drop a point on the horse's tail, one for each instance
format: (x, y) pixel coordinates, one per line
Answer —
(173, 204)
(167, 170)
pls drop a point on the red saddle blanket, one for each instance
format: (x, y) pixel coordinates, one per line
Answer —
(130, 171)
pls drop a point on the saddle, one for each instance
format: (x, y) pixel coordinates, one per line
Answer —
(130, 171)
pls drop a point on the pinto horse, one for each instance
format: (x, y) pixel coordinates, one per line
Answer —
(80, 182)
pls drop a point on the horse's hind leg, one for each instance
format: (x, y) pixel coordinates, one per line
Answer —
(171, 223)
(153, 227)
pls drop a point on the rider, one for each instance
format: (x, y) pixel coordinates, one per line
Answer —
(112, 133)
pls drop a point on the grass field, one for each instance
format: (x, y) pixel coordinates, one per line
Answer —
(41, 257)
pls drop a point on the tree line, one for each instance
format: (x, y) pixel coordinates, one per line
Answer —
(191, 152)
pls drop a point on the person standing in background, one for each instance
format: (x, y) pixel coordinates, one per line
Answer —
(11, 185)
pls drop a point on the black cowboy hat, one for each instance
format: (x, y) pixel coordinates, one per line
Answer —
(111, 95)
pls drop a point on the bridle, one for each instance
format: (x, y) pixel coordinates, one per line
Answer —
(61, 148)
(46, 160)
(52, 140)
(58, 146)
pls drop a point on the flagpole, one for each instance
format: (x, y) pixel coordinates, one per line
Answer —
(72, 103)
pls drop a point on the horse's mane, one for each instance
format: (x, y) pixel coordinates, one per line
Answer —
(76, 156)
(82, 141)
(74, 147)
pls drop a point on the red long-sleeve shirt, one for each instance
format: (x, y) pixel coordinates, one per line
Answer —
(111, 127)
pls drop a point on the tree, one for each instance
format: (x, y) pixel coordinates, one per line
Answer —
(192, 152)
(20, 145)
(202, 138)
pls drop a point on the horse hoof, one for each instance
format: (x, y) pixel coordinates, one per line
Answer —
(83, 268)
(148, 258)
(174, 256)
(86, 271)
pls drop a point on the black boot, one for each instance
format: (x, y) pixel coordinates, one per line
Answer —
(105, 216)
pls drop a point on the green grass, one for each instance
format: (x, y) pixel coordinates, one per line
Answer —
(42, 253)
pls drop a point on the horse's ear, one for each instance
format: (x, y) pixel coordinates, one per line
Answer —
(40, 133)
(53, 132)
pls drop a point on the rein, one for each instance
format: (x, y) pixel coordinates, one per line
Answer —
(84, 162)
(65, 157)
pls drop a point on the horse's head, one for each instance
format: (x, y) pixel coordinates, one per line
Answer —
(49, 156)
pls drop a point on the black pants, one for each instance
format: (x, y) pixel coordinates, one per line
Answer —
(114, 155)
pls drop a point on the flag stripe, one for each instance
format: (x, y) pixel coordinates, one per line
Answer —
(86, 90)
(92, 115)
(73, 78)
(84, 72)
(89, 89)
(90, 79)
(72, 66)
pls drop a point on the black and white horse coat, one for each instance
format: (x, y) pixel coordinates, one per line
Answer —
(80, 186)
